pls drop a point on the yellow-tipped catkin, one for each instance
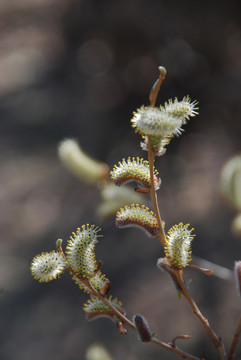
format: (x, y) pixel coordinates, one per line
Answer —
(164, 122)
(98, 282)
(183, 109)
(95, 308)
(178, 245)
(134, 169)
(136, 215)
(47, 266)
(80, 251)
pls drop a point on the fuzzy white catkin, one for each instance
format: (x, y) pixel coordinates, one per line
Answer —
(154, 121)
(47, 266)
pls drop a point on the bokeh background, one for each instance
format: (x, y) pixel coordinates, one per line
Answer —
(79, 68)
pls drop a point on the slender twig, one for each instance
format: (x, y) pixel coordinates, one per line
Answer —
(215, 339)
(219, 271)
(175, 349)
(151, 156)
(129, 323)
(204, 271)
(235, 340)
(122, 317)
(156, 86)
(162, 236)
(180, 337)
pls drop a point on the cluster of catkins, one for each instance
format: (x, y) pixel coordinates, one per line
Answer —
(157, 125)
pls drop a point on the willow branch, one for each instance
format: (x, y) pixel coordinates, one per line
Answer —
(215, 339)
(151, 157)
(123, 318)
(235, 340)
(219, 271)
(175, 349)
(130, 324)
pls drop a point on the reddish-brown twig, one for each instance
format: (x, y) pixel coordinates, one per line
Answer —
(235, 340)
(151, 156)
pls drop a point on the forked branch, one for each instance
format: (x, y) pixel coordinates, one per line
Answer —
(129, 323)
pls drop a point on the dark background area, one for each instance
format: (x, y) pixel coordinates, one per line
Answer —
(79, 69)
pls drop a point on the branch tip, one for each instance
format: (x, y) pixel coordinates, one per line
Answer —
(208, 272)
(180, 337)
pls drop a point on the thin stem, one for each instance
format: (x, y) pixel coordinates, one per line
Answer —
(219, 271)
(156, 86)
(151, 158)
(204, 271)
(175, 349)
(123, 318)
(215, 339)
(106, 302)
(129, 323)
(235, 340)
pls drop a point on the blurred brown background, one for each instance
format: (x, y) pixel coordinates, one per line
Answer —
(79, 69)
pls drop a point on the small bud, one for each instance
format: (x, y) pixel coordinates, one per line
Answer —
(237, 276)
(162, 70)
(121, 328)
(59, 243)
(142, 328)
